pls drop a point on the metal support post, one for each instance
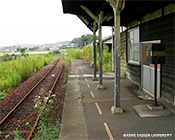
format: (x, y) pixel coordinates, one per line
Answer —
(155, 106)
(155, 86)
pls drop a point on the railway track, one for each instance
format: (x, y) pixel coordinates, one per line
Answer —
(24, 111)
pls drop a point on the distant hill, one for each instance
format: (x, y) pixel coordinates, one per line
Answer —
(63, 42)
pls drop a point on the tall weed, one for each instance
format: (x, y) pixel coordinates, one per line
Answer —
(106, 58)
(12, 73)
(76, 53)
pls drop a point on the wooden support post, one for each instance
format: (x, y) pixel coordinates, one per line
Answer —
(117, 5)
(113, 44)
(100, 19)
(85, 51)
(117, 60)
(94, 47)
(100, 86)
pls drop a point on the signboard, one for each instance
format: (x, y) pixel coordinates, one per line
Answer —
(155, 53)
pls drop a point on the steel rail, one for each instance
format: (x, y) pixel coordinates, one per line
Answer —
(19, 103)
(50, 92)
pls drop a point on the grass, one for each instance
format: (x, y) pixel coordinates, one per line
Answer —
(3, 95)
(5, 51)
(36, 50)
(14, 133)
(13, 72)
(75, 53)
(46, 130)
(81, 97)
(106, 56)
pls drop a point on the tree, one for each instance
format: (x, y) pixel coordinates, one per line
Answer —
(81, 43)
(84, 38)
(22, 50)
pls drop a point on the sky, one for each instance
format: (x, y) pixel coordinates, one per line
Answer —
(38, 22)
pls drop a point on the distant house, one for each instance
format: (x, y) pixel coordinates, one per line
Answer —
(108, 42)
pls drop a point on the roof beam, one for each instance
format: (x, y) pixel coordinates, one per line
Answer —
(90, 13)
(107, 17)
(82, 18)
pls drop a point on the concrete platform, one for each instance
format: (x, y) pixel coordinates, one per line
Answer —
(144, 111)
(73, 125)
(94, 120)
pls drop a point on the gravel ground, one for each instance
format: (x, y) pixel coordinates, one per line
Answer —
(14, 97)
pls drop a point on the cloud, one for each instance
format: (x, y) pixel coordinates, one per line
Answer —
(37, 21)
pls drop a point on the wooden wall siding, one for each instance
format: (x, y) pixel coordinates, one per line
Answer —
(131, 71)
(134, 71)
(123, 65)
(163, 29)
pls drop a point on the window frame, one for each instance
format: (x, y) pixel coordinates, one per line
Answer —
(130, 61)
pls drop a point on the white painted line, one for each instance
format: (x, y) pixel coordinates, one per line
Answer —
(98, 108)
(85, 79)
(88, 85)
(78, 75)
(108, 131)
(92, 94)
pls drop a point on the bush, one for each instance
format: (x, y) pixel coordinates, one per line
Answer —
(56, 52)
(6, 57)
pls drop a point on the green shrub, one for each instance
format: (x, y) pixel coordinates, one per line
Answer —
(106, 58)
(56, 52)
(6, 57)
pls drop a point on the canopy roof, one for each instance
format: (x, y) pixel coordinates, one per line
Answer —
(134, 10)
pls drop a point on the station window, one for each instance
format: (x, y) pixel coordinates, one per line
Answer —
(133, 46)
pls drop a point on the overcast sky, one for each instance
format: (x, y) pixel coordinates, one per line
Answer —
(38, 22)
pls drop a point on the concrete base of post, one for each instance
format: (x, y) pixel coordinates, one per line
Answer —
(100, 87)
(95, 79)
(116, 110)
(155, 107)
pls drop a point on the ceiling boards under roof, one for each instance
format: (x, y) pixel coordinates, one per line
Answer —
(134, 10)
